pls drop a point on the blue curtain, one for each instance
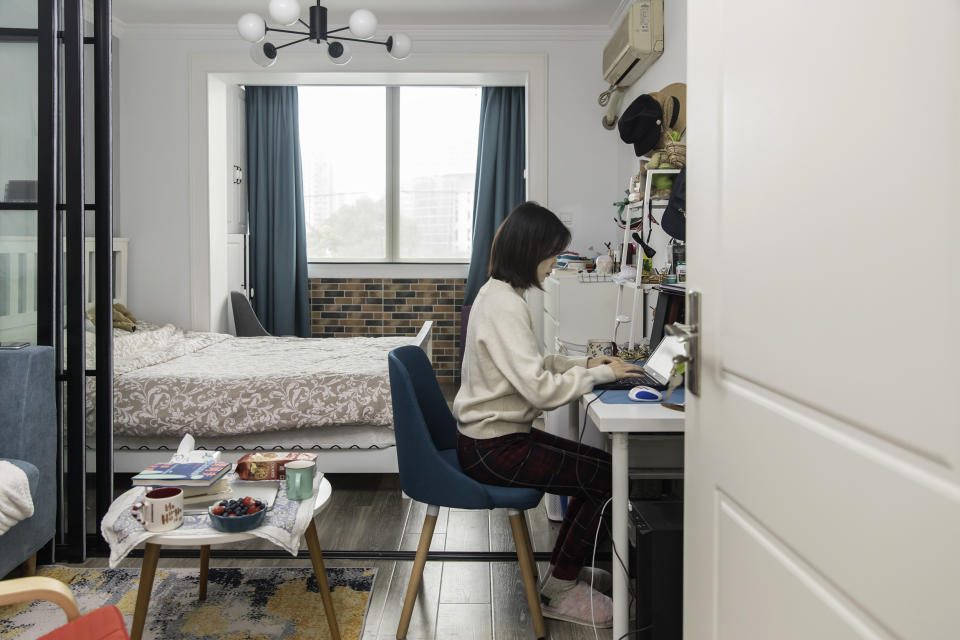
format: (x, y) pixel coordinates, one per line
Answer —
(278, 239)
(500, 185)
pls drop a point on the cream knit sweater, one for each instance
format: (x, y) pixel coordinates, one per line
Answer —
(506, 380)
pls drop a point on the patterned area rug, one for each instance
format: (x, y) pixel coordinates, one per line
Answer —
(242, 604)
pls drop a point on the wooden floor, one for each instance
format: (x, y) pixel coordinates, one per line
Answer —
(469, 600)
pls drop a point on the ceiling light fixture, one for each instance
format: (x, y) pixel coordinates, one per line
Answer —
(362, 24)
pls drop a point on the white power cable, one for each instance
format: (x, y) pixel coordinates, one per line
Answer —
(593, 566)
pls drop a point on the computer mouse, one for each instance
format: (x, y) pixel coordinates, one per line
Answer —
(644, 394)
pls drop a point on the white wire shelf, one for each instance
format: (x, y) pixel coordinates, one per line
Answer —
(593, 276)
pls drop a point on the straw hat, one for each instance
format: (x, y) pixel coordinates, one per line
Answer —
(673, 102)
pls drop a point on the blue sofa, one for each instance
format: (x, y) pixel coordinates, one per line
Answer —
(28, 439)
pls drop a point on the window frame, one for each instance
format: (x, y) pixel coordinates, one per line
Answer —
(392, 179)
(212, 73)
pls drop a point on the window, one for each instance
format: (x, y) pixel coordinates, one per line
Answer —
(388, 172)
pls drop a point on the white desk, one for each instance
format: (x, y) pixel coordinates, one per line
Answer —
(619, 421)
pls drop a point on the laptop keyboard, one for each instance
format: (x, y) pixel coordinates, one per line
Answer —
(631, 382)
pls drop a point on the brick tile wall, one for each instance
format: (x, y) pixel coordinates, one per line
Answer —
(347, 307)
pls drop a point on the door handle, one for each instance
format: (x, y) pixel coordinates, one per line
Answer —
(689, 337)
(683, 332)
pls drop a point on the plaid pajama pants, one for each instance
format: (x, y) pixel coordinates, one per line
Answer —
(540, 460)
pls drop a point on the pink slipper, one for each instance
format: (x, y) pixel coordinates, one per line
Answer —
(602, 580)
(573, 605)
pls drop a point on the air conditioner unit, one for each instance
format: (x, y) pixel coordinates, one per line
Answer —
(635, 45)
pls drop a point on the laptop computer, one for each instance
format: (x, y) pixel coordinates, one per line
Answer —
(656, 370)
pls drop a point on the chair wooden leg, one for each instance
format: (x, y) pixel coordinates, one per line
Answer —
(29, 566)
(147, 571)
(204, 570)
(533, 562)
(316, 557)
(521, 540)
(416, 575)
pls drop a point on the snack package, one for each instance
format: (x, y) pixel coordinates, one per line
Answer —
(268, 465)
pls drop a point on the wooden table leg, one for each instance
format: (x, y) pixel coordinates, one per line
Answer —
(313, 544)
(30, 566)
(204, 569)
(147, 570)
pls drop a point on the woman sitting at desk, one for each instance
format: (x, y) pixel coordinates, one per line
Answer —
(506, 382)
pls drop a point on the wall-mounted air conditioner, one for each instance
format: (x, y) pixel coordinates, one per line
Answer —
(635, 45)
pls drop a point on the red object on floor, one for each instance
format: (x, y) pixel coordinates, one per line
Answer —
(105, 623)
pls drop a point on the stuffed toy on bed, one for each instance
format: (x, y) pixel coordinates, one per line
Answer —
(122, 318)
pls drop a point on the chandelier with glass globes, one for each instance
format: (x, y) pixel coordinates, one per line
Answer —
(362, 24)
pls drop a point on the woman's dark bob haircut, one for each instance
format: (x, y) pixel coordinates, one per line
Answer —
(528, 236)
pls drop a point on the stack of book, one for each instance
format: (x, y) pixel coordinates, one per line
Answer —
(200, 481)
(199, 473)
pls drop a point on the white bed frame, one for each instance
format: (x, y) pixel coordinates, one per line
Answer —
(120, 247)
(18, 286)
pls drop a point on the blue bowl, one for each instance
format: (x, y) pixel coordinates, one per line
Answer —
(236, 524)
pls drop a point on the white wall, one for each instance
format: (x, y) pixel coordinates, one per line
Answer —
(151, 186)
(586, 168)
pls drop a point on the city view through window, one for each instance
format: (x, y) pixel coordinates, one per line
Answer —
(351, 157)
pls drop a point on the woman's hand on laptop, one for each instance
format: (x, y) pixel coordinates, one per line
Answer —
(624, 369)
(599, 360)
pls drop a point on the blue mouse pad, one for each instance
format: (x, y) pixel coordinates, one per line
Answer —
(619, 396)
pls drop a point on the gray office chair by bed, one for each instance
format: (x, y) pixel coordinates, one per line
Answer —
(244, 319)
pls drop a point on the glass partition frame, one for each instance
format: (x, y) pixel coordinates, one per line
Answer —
(59, 206)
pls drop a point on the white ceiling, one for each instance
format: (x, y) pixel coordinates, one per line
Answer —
(388, 12)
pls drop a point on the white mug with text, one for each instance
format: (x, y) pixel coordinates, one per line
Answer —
(160, 510)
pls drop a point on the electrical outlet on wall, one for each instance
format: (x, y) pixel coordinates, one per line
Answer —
(566, 219)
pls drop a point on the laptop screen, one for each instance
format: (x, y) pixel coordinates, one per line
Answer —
(660, 363)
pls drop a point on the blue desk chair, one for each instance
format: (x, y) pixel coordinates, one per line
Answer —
(426, 434)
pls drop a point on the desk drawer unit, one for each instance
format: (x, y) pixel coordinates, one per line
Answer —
(549, 334)
(551, 292)
(573, 313)
(580, 311)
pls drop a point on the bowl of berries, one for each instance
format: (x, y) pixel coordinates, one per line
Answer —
(237, 515)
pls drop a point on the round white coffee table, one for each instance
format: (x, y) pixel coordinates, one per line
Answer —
(203, 539)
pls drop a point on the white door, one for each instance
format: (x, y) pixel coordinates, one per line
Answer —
(823, 455)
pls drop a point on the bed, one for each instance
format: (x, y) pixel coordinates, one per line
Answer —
(329, 396)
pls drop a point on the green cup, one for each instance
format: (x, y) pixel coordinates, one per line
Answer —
(300, 479)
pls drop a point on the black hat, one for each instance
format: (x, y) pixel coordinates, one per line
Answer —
(640, 124)
(674, 219)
